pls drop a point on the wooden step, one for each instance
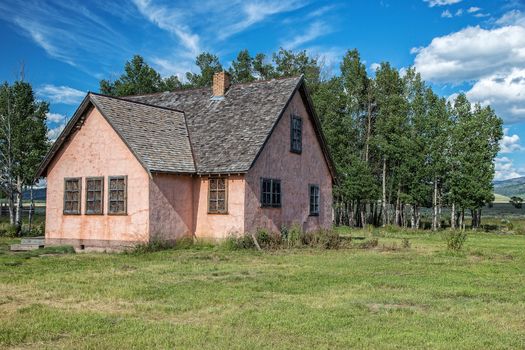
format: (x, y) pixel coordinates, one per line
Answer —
(25, 247)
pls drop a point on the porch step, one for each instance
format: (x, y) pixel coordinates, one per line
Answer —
(25, 247)
(33, 240)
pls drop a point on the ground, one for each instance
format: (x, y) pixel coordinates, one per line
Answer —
(211, 298)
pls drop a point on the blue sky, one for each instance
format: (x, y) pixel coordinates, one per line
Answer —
(474, 46)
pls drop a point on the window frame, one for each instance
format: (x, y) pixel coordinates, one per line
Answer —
(293, 148)
(218, 211)
(313, 196)
(125, 212)
(271, 193)
(91, 178)
(79, 209)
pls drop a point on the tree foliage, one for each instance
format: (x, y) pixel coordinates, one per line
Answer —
(23, 141)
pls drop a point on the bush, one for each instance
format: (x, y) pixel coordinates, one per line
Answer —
(405, 243)
(152, 246)
(372, 243)
(455, 240)
(7, 230)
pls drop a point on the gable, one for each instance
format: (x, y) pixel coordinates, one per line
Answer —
(156, 136)
(276, 156)
(93, 148)
(300, 100)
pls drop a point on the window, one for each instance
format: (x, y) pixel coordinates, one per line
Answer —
(296, 134)
(217, 195)
(271, 193)
(314, 199)
(72, 189)
(94, 195)
(117, 196)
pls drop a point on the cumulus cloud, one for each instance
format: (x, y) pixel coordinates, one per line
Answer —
(374, 66)
(473, 9)
(433, 3)
(490, 60)
(471, 53)
(505, 92)
(509, 143)
(60, 94)
(505, 169)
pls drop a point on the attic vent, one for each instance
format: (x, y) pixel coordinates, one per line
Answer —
(221, 83)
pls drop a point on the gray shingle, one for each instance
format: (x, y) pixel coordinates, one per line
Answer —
(157, 136)
(226, 134)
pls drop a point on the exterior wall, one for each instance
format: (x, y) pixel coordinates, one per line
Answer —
(96, 150)
(171, 207)
(216, 226)
(296, 172)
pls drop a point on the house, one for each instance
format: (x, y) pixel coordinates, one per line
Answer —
(204, 163)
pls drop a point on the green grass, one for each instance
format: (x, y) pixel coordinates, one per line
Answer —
(209, 298)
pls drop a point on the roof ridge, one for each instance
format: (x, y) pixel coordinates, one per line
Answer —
(209, 87)
(137, 102)
(167, 92)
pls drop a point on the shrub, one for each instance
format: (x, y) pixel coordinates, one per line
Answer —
(455, 240)
(8, 230)
(268, 239)
(294, 236)
(152, 246)
(405, 243)
(371, 243)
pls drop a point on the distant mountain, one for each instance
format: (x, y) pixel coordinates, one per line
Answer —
(510, 187)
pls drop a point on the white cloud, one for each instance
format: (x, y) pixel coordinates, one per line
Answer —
(471, 53)
(446, 14)
(68, 32)
(60, 94)
(55, 117)
(433, 3)
(374, 66)
(481, 15)
(512, 18)
(314, 30)
(505, 92)
(490, 60)
(258, 11)
(171, 20)
(458, 12)
(52, 134)
(473, 9)
(509, 143)
(505, 169)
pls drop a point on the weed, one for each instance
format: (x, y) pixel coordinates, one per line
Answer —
(455, 240)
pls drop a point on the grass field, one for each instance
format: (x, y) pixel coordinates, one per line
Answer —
(210, 298)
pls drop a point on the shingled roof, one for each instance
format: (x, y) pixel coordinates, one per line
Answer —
(190, 131)
(227, 133)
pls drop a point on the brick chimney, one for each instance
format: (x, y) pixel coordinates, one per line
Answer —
(221, 83)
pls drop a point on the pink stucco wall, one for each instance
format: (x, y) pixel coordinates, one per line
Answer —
(216, 226)
(96, 150)
(296, 172)
(171, 207)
